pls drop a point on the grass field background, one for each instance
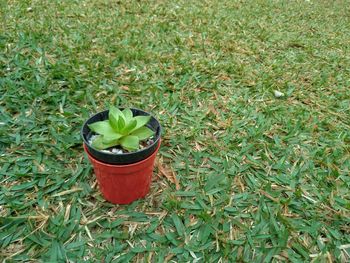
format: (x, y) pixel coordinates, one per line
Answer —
(242, 176)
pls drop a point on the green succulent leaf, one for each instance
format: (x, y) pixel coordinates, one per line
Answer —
(121, 128)
(128, 115)
(121, 125)
(143, 133)
(141, 121)
(128, 128)
(114, 115)
(111, 138)
(102, 127)
(130, 142)
(115, 112)
(99, 143)
(113, 122)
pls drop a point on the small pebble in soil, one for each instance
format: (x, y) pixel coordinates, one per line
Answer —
(117, 151)
(91, 139)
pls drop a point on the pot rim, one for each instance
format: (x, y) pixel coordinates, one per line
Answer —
(121, 165)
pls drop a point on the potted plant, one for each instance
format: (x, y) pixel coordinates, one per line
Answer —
(122, 144)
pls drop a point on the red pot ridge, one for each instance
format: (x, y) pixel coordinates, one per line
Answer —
(123, 184)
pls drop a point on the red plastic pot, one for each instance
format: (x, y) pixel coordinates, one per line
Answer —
(123, 184)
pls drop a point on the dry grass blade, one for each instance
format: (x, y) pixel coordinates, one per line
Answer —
(166, 171)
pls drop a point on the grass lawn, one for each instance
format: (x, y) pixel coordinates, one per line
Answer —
(242, 175)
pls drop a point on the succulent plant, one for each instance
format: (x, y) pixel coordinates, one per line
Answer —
(121, 128)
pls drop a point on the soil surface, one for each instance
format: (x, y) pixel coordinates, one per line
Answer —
(119, 150)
